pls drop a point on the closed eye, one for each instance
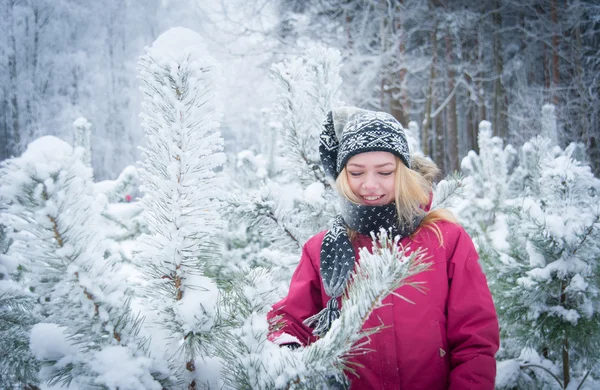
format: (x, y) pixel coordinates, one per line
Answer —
(355, 174)
(386, 173)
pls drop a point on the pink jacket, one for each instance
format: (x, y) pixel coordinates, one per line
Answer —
(447, 339)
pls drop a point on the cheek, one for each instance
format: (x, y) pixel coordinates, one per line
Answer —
(354, 184)
(390, 185)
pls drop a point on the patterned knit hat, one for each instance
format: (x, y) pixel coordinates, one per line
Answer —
(349, 131)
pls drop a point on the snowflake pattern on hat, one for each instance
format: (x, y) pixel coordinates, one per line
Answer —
(371, 132)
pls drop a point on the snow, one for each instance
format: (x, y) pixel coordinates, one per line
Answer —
(81, 122)
(197, 308)
(177, 45)
(8, 264)
(314, 193)
(46, 148)
(499, 233)
(49, 342)
(536, 259)
(508, 372)
(285, 338)
(117, 369)
(577, 284)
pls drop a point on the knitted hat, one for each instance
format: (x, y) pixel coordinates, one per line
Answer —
(349, 131)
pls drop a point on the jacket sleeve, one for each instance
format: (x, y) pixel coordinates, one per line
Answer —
(472, 324)
(302, 301)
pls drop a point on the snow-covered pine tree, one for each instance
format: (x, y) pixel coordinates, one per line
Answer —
(7, 265)
(546, 284)
(79, 288)
(121, 212)
(487, 182)
(123, 189)
(289, 208)
(18, 367)
(252, 362)
(180, 200)
(308, 87)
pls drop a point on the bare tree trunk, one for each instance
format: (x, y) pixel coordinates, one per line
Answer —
(499, 104)
(349, 40)
(5, 136)
(471, 141)
(565, 349)
(451, 119)
(482, 114)
(399, 100)
(584, 122)
(555, 48)
(383, 76)
(13, 85)
(439, 141)
(438, 125)
(426, 139)
(547, 83)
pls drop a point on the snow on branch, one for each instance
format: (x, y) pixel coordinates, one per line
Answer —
(378, 275)
(254, 362)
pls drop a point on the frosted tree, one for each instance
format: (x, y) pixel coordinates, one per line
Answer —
(250, 361)
(121, 213)
(290, 207)
(545, 282)
(180, 200)
(79, 286)
(123, 188)
(82, 138)
(18, 368)
(488, 178)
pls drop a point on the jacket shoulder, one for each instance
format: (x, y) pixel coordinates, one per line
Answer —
(315, 241)
(454, 239)
(450, 231)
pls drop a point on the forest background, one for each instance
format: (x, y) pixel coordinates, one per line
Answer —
(446, 65)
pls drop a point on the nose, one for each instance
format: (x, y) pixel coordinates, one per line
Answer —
(370, 182)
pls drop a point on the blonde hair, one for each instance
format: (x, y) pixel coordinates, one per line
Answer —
(412, 195)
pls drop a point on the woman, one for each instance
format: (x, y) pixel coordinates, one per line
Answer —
(448, 336)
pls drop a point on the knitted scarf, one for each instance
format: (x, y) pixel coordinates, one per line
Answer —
(337, 253)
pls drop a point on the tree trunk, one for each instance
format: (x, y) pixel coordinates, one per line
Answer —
(481, 103)
(584, 122)
(399, 103)
(565, 349)
(5, 136)
(451, 119)
(439, 141)
(555, 48)
(499, 104)
(426, 140)
(13, 86)
(471, 141)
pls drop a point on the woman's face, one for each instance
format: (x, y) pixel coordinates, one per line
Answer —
(371, 177)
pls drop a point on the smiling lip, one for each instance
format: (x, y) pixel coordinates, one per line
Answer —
(371, 199)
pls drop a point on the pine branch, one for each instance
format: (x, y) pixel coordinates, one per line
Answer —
(546, 370)
(376, 276)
